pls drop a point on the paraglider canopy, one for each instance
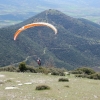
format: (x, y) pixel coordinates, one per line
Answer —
(33, 25)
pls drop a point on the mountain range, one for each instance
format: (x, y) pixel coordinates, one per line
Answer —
(14, 11)
(76, 44)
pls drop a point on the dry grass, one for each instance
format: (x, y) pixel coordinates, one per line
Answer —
(79, 89)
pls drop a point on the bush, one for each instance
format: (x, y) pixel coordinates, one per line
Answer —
(63, 80)
(42, 87)
(10, 69)
(81, 75)
(22, 67)
(30, 69)
(61, 73)
(76, 72)
(57, 71)
(83, 70)
(95, 76)
(67, 86)
(86, 70)
(92, 76)
(42, 70)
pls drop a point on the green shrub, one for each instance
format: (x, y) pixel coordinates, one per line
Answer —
(42, 87)
(86, 70)
(30, 69)
(81, 75)
(61, 73)
(76, 72)
(22, 67)
(58, 73)
(95, 76)
(55, 73)
(92, 76)
(9, 68)
(63, 80)
(67, 86)
(42, 70)
(83, 70)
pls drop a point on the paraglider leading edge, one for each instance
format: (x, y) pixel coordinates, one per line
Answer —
(33, 25)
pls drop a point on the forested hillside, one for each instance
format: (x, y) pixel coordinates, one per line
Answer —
(76, 44)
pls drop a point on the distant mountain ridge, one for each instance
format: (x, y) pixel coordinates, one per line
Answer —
(22, 10)
(76, 44)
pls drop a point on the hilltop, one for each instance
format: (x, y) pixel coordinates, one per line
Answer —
(76, 44)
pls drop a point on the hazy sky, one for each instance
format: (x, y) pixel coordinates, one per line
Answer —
(75, 8)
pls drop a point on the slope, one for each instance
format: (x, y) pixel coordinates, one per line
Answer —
(77, 43)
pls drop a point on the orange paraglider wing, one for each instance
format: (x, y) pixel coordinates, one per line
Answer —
(33, 25)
